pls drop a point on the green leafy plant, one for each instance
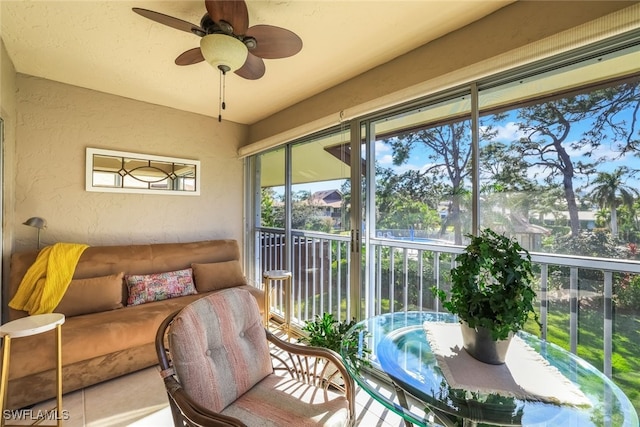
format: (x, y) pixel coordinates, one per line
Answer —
(326, 331)
(491, 285)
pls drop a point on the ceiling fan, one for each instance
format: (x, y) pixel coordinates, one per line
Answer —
(228, 43)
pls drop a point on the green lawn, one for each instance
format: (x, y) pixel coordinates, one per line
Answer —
(626, 344)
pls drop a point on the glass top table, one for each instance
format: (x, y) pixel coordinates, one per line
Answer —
(393, 350)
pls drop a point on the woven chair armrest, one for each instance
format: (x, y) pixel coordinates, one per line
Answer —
(300, 366)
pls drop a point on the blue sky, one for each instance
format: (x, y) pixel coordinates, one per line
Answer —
(507, 131)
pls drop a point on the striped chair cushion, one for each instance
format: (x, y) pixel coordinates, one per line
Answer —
(219, 348)
(276, 401)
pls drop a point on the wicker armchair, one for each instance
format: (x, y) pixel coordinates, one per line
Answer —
(222, 368)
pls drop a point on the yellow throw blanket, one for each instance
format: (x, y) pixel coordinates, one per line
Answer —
(46, 281)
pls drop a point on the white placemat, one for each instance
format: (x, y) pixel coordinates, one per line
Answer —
(525, 374)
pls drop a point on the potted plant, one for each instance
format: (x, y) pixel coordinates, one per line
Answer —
(492, 294)
(326, 331)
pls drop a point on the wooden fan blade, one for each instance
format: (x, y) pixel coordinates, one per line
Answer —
(252, 69)
(169, 21)
(274, 42)
(232, 11)
(190, 57)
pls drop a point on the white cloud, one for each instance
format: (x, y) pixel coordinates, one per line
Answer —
(507, 133)
(381, 147)
(610, 152)
(386, 159)
(426, 166)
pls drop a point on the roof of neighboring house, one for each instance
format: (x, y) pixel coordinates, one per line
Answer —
(521, 225)
(582, 215)
(327, 195)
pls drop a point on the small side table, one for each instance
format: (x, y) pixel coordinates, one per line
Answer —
(268, 278)
(24, 327)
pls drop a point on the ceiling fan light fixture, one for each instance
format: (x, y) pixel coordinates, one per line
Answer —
(224, 52)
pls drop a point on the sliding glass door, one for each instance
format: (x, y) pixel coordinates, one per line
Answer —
(304, 200)
(369, 216)
(419, 193)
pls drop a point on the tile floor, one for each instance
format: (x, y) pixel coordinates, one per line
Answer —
(139, 400)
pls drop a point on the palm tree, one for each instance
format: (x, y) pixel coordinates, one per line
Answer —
(610, 191)
(602, 216)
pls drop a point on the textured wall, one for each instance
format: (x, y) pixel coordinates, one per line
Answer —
(56, 122)
(8, 114)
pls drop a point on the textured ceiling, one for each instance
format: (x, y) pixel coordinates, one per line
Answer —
(103, 45)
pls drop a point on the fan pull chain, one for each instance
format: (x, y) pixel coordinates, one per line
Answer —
(224, 88)
(223, 85)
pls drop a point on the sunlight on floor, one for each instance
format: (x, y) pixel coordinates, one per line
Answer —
(140, 400)
(154, 416)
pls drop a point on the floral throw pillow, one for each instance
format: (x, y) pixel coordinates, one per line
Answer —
(159, 286)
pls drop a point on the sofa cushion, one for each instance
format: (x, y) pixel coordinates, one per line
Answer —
(99, 334)
(159, 286)
(218, 275)
(88, 336)
(84, 296)
(132, 259)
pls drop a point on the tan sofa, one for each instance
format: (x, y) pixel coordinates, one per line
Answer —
(103, 338)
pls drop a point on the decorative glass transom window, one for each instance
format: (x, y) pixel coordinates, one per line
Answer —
(124, 172)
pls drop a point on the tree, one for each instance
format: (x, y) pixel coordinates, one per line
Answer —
(449, 154)
(505, 189)
(499, 163)
(602, 217)
(549, 128)
(548, 201)
(267, 207)
(345, 189)
(610, 191)
(406, 200)
(405, 213)
(627, 217)
(307, 214)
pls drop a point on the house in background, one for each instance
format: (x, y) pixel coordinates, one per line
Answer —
(529, 235)
(330, 204)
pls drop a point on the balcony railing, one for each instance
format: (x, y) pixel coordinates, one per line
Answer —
(320, 269)
(575, 294)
